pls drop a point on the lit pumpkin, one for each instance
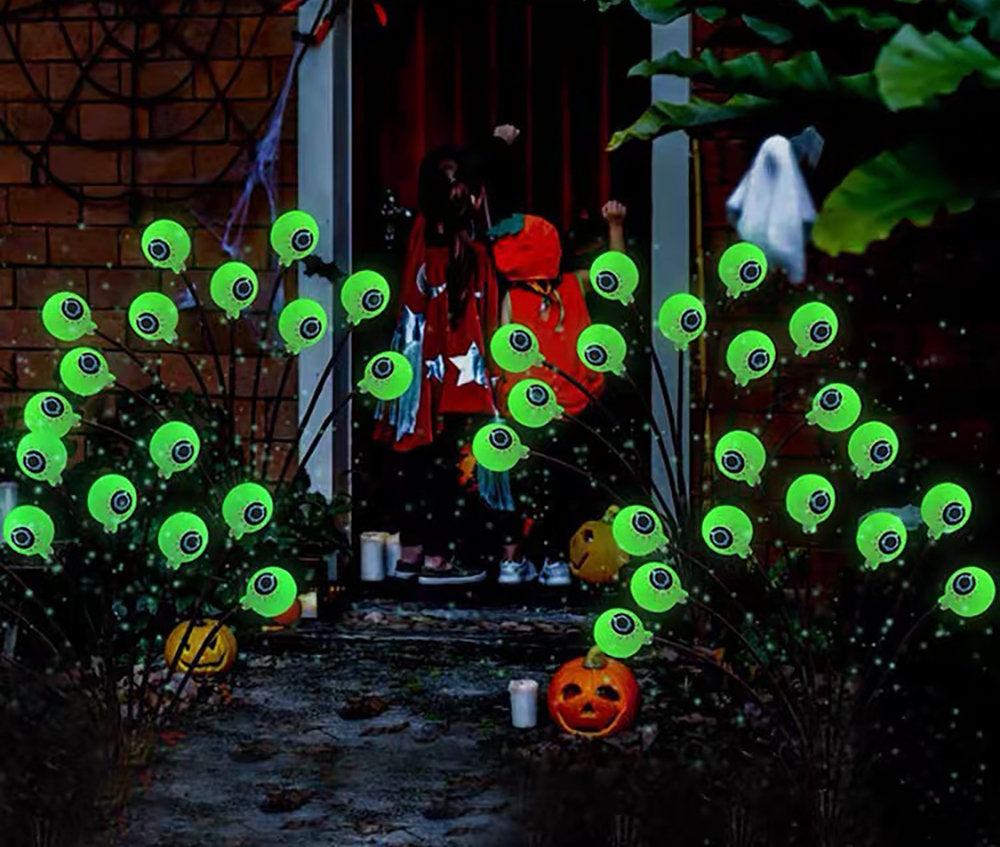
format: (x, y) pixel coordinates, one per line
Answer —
(593, 696)
(219, 653)
(291, 615)
(594, 556)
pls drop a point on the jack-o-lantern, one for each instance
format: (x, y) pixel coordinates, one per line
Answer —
(218, 655)
(593, 696)
(594, 555)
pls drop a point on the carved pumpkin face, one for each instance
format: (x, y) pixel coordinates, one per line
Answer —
(594, 555)
(219, 653)
(593, 696)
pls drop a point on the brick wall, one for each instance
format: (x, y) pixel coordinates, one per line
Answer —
(75, 191)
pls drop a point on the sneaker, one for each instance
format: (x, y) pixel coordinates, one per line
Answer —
(554, 573)
(437, 571)
(410, 562)
(514, 573)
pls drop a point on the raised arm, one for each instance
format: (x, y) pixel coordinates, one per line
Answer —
(614, 213)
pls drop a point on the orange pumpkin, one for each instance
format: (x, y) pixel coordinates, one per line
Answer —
(594, 555)
(593, 696)
(290, 615)
(218, 655)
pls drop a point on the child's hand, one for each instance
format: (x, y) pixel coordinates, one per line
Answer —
(507, 132)
(614, 212)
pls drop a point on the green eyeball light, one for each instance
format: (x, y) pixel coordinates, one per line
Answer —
(182, 538)
(41, 456)
(881, 537)
(29, 530)
(302, 323)
(233, 288)
(270, 592)
(620, 634)
(835, 408)
(742, 267)
(532, 403)
(85, 371)
(740, 455)
(514, 348)
(49, 412)
(364, 295)
(166, 244)
(638, 531)
(657, 588)
(497, 447)
(153, 316)
(728, 531)
(111, 501)
(681, 319)
(810, 500)
(872, 447)
(750, 355)
(968, 592)
(387, 376)
(602, 348)
(294, 236)
(812, 327)
(174, 447)
(247, 508)
(945, 509)
(614, 276)
(66, 316)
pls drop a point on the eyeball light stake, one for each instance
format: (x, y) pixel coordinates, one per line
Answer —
(810, 500)
(153, 316)
(750, 355)
(728, 531)
(620, 634)
(302, 323)
(42, 457)
(66, 316)
(166, 244)
(85, 371)
(29, 531)
(497, 447)
(602, 348)
(247, 508)
(872, 447)
(638, 531)
(51, 413)
(182, 538)
(740, 456)
(532, 403)
(881, 538)
(111, 501)
(387, 376)
(294, 235)
(233, 288)
(945, 509)
(514, 347)
(812, 327)
(742, 267)
(656, 587)
(681, 319)
(174, 447)
(364, 295)
(270, 592)
(969, 592)
(835, 408)
(615, 276)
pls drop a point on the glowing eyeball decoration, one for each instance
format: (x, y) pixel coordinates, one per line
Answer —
(66, 316)
(294, 235)
(497, 447)
(881, 537)
(872, 447)
(750, 355)
(364, 295)
(174, 447)
(945, 509)
(247, 508)
(42, 457)
(85, 371)
(602, 348)
(728, 531)
(656, 587)
(166, 244)
(835, 408)
(619, 633)
(812, 327)
(740, 455)
(681, 319)
(742, 267)
(153, 316)
(638, 531)
(514, 347)
(810, 500)
(270, 592)
(111, 501)
(614, 276)
(29, 530)
(302, 323)
(182, 538)
(49, 412)
(233, 288)
(387, 376)
(969, 592)
(532, 403)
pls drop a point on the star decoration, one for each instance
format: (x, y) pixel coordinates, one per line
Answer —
(435, 368)
(471, 367)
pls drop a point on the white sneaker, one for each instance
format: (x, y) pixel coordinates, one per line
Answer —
(514, 573)
(554, 574)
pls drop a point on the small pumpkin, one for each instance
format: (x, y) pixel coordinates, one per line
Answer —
(218, 655)
(594, 555)
(290, 615)
(593, 696)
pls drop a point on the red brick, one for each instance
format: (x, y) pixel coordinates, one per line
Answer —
(36, 285)
(115, 288)
(189, 121)
(16, 86)
(273, 39)
(78, 165)
(111, 322)
(241, 80)
(48, 40)
(207, 35)
(166, 78)
(22, 245)
(270, 376)
(86, 246)
(6, 287)
(130, 247)
(175, 164)
(176, 372)
(15, 167)
(105, 121)
(64, 78)
(211, 160)
(23, 328)
(247, 118)
(37, 370)
(42, 204)
(106, 211)
(126, 371)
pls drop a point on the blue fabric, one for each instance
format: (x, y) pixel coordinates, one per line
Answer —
(408, 339)
(508, 226)
(494, 489)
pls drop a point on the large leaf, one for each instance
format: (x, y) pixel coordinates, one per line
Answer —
(867, 18)
(895, 186)
(775, 33)
(913, 68)
(763, 12)
(988, 10)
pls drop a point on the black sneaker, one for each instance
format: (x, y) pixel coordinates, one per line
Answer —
(406, 570)
(448, 573)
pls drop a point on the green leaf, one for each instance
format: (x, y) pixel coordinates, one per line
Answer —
(862, 15)
(897, 185)
(913, 68)
(988, 10)
(775, 33)
(661, 11)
